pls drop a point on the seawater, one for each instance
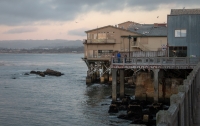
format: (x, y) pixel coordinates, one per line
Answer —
(31, 100)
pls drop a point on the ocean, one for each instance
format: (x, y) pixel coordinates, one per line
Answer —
(32, 100)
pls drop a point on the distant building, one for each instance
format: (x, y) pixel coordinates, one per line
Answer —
(126, 25)
(183, 32)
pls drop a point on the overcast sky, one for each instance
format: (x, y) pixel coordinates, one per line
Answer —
(68, 19)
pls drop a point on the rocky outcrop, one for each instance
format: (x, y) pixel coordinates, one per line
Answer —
(138, 111)
(47, 72)
(52, 72)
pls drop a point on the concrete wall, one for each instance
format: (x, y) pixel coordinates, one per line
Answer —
(183, 104)
(145, 86)
(155, 43)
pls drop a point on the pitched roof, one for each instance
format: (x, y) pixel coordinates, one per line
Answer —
(149, 29)
(126, 22)
(112, 27)
(142, 29)
(184, 11)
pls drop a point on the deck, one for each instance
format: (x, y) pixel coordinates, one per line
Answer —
(155, 62)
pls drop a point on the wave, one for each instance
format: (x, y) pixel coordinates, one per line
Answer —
(2, 64)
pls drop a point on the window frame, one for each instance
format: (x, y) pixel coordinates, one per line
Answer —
(180, 33)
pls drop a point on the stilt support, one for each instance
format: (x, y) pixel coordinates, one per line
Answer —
(114, 84)
(156, 85)
(121, 83)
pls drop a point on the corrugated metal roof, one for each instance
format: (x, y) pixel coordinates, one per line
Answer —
(149, 30)
(184, 11)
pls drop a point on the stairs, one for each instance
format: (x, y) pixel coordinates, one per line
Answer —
(140, 46)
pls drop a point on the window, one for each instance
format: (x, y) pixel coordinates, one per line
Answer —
(102, 36)
(105, 53)
(178, 51)
(180, 33)
(88, 35)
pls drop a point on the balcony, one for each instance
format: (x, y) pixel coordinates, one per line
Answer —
(99, 41)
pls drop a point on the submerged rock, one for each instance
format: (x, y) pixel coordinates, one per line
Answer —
(52, 72)
(26, 74)
(47, 72)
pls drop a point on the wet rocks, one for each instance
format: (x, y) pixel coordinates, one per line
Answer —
(139, 112)
(47, 72)
(113, 108)
(52, 72)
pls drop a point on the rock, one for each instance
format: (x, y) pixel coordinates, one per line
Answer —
(113, 109)
(47, 72)
(33, 72)
(104, 104)
(52, 72)
(122, 116)
(42, 74)
(26, 74)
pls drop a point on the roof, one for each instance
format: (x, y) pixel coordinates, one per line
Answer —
(149, 29)
(184, 11)
(128, 22)
(156, 30)
(112, 27)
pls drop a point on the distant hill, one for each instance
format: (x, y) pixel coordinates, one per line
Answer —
(31, 44)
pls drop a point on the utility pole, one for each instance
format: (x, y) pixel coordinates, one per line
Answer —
(129, 37)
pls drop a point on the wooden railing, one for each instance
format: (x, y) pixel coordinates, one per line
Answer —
(134, 54)
(155, 62)
(149, 54)
(101, 40)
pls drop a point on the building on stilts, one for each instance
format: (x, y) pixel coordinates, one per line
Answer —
(130, 39)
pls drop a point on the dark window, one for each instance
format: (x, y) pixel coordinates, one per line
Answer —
(99, 51)
(180, 51)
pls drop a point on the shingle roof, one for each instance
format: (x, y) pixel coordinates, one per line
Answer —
(149, 30)
(184, 11)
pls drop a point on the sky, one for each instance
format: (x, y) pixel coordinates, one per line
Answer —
(69, 19)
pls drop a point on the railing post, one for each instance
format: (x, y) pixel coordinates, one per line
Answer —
(190, 101)
(161, 60)
(184, 88)
(162, 118)
(178, 99)
(168, 117)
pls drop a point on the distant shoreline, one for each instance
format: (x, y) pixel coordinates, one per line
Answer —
(44, 50)
(44, 53)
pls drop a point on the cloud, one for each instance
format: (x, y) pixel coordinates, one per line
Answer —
(15, 12)
(78, 32)
(21, 30)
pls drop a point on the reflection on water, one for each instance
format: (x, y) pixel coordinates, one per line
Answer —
(96, 93)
